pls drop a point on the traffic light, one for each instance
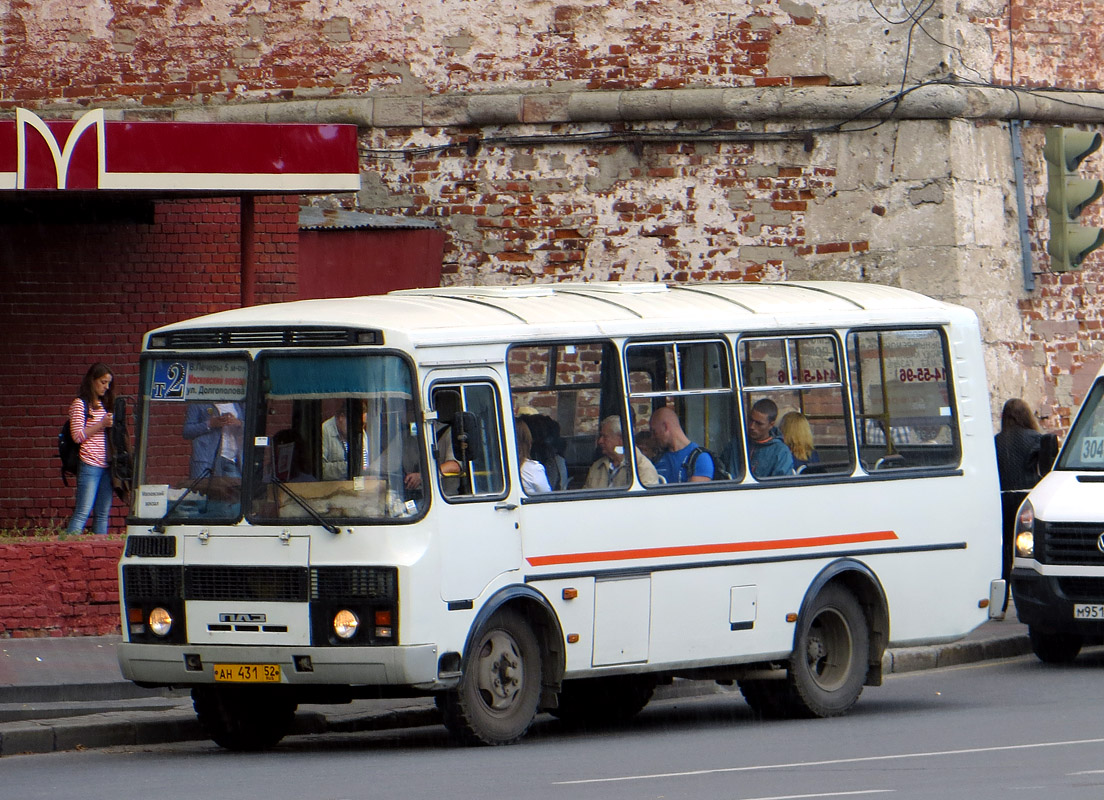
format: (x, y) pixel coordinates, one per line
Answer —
(1067, 196)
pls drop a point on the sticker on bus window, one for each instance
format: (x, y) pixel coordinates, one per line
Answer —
(207, 380)
(1092, 450)
(153, 500)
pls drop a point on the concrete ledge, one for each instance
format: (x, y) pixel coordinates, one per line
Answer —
(747, 103)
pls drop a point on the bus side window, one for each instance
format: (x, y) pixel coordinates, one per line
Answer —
(562, 392)
(798, 380)
(694, 378)
(467, 441)
(904, 415)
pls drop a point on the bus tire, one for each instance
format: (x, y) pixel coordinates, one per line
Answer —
(243, 719)
(604, 701)
(1054, 648)
(499, 691)
(829, 662)
(770, 699)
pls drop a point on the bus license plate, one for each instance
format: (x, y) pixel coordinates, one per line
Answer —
(1088, 611)
(247, 673)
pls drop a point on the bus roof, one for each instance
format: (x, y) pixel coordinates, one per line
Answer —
(486, 313)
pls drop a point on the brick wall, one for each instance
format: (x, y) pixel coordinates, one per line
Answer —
(68, 588)
(74, 294)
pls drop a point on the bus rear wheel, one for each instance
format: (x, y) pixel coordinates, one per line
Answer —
(828, 666)
(1054, 648)
(604, 701)
(500, 688)
(244, 719)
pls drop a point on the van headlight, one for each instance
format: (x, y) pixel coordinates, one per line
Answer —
(1025, 531)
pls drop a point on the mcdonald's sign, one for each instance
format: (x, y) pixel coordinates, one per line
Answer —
(92, 153)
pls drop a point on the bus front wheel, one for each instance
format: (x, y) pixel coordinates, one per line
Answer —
(829, 662)
(243, 719)
(496, 700)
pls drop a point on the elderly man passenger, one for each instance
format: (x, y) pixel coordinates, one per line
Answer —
(612, 471)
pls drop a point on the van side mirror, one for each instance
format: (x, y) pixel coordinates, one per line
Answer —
(467, 437)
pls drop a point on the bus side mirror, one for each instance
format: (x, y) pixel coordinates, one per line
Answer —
(466, 437)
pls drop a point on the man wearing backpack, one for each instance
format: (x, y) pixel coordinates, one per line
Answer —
(676, 465)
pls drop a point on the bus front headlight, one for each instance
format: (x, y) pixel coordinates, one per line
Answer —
(1025, 531)
(160, 621)
(345, 624)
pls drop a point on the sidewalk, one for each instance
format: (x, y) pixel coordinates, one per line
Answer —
(67, 693)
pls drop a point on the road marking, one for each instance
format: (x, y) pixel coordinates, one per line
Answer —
(832, 762)
(1088, 772)
(822, 794)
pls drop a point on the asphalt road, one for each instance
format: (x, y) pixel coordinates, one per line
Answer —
(996, 729)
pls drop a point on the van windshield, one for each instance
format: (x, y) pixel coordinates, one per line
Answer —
(1084, 449)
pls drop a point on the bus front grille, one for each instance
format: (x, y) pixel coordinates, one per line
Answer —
(1069, 543)
(276, 584)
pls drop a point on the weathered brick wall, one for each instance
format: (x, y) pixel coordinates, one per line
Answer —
(68, 588)
(925, 203)
(74, 294)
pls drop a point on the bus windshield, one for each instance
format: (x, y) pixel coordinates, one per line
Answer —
(333, 438)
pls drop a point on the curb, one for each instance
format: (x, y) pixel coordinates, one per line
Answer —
(177, 723)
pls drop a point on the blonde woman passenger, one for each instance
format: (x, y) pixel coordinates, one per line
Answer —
(797, 433)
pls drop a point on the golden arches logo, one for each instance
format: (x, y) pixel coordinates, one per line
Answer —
(61, 154)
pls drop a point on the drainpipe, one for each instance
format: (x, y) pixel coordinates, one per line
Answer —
(1021, 205)
(248, 252)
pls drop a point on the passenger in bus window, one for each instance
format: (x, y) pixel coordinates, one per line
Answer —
(547, 445)
(674, 464)
(768, 455)
(335, 444)
(612, 471)
(797, 434)
(534, 480)
(215, 431)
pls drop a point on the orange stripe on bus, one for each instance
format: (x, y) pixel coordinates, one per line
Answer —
(711, 549)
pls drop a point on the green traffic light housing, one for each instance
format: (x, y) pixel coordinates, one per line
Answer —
(1068, 195)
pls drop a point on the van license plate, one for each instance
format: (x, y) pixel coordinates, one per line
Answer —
(1088, 611)
(247, 673)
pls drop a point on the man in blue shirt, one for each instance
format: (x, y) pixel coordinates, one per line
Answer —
(677, 449)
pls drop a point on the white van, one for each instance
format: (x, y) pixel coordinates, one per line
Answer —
(1058, 561)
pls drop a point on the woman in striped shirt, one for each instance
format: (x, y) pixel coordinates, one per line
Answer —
(89, 419)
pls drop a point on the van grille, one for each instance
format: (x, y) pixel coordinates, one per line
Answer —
(348, 583)
(276, 584)
(1068, 543)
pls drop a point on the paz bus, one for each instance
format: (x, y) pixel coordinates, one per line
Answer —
(328, 503)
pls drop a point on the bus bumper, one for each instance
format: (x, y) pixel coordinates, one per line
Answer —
(190, 665)
(1041, 603)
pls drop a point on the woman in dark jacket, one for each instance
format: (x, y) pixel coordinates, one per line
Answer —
(1018, 468)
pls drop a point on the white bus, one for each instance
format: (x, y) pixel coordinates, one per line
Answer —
(328, 503)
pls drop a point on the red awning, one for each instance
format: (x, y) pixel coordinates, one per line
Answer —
(169, 157)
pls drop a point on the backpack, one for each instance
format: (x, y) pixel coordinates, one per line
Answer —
(719, 472)
(68, 452)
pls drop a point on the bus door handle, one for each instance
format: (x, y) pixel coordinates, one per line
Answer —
(505, 506)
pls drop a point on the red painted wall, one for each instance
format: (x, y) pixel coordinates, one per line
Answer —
(73, 294)
(349, 263)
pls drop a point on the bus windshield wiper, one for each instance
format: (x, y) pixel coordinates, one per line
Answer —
(303, 504)
(159, 527)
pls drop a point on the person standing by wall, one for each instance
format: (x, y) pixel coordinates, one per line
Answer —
(1018, 443)
(89, 420)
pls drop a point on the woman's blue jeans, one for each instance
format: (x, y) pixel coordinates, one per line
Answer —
(93, 498)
